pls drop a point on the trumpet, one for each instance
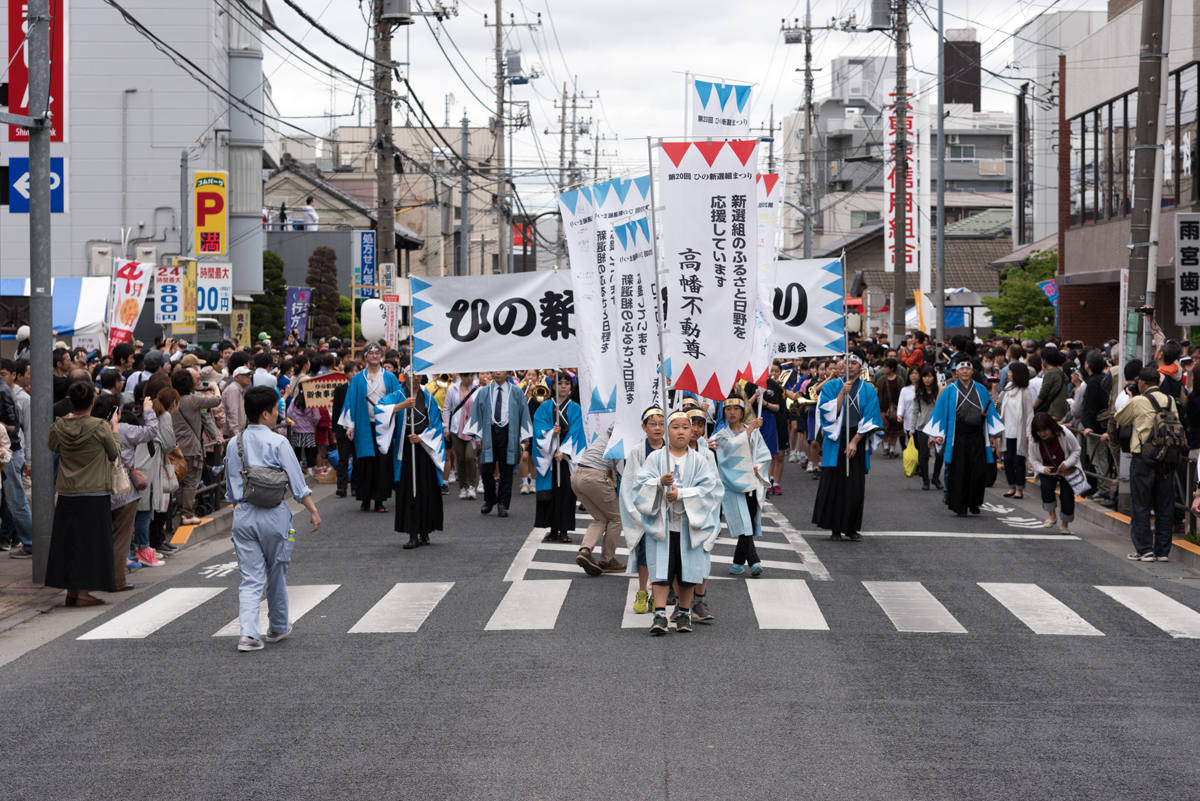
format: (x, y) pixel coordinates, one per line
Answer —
(541, 392)
(443, 380)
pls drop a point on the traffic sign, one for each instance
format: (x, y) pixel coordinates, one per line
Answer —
(18, 194)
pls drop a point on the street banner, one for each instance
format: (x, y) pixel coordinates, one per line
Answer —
(710, 248)
(912, 245)
(295, 311)
(391, 304)
(131, 279)
(188, 326)
(210, 201)
(636, 333)
(468, 324)
(1187, 269)
(593, 344)
(214, 287)
(362, 258)
(241, 328)
(770, 210)
(807, 308)
(1050, 290)
(18, 68)
(168, 294)
(318, 390)
(719, 109)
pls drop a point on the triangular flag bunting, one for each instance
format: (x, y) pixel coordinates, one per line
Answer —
(723, 92)
(421, 325)
(742, 94)
(622, 234)
(644, 224)
(643, 185)
(600, 192)
(419, 305)
(418, 285)
(621, 188)
(769, 179)
(420, 345)
(687, 381)
(420, 365)
(744, 149)
(709, 150)
(570, 199)
(675, 150)
(704, 90)
(712, 390)
(586, 191)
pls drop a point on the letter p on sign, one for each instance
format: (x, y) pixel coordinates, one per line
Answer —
(209, 199)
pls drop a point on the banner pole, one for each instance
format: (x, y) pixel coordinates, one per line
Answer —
(846, 348)
(659, 313)
(687, 85)
(412, 418)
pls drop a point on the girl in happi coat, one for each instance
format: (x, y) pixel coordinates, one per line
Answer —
(962, 422)
(419, 447)
(654, 424)
(700, 611)
(679, 496)
(742, 461)
(558, 440)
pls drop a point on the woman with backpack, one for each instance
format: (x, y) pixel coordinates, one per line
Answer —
(1054, 456)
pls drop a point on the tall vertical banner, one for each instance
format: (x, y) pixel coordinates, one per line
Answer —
(168, 294)
(131, 279)
(391, 304)
(18, 70)
(770, 210)
(295, 311)
(719, 109)
(636, 340)
(593, 343)
(188, 325)
(210, 199)
(1187, 269)
(362, 256)
(240, 329)
(710, 248)
(808, 308)
(911, 243)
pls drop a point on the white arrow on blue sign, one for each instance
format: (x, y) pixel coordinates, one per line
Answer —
(18, 194)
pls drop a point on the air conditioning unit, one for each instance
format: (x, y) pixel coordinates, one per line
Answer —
(952, 139)
(102, 260)
(147, 254)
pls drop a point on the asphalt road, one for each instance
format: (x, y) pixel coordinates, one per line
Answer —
(588, 709)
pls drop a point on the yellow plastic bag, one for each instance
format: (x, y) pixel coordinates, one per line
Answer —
(910, 457)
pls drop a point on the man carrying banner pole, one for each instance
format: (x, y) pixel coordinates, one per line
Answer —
(419, 448)
(499, 423)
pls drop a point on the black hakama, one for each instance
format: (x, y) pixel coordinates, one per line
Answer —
(419, 515)
(373, 475)
(965, 476)
(840, 498)
(81, 544)
(557, 513)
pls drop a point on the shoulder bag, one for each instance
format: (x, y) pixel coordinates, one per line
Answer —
(261, 486)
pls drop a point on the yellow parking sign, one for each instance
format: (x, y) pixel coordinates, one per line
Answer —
(210, 200)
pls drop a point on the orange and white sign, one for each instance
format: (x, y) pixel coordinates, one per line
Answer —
(241, 329)
(188, 325)
(130, 282)
(211, 220)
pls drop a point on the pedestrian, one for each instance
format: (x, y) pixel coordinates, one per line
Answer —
(678, 495)
(654, 426)
(499, 424)
(373, 478)
(304, 430)
(1054, 456)
(1052, 395)
(594, 488)
(345, 448)
(742, 460)
(232, 402)
(888, 384)
(1151, 481)
(702, 446)
(153, 517)
(187, 436)
(558, 441)
(1016, 412)
(961, 424)
(460, 397)
(16, 518)
(416, 449)
(81, 543)
(852, 428)
(262, 532)
(134, 429)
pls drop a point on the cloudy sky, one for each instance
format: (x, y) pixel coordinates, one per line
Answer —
(623, 53)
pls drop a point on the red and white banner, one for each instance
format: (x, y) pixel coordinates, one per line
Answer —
(130, 281)
(18, 72)
(710, 248)
(911, 242)
(770, 211)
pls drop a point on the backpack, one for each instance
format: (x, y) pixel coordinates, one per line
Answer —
(1166, 444)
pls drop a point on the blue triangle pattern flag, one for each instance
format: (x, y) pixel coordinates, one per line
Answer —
(742, 95)
(585, 192)
(600, 193)
(643, 185)
(419, 365)
(418, 285)
(570, 199)
(808, 333)
(622, 234)
(420, 344)
(421, 325)
(621, 188)
(723, 92)
(419, 305)
(644, 224)
(704, 90)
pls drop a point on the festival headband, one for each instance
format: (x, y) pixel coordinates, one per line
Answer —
(853, 358)
(653, 410)
(688, 403)
(741, 404)
(677, 416)
(370, 348)
(697, 414)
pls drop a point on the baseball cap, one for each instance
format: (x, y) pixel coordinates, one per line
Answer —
(154, 360)
(243, 370)
(190, 360)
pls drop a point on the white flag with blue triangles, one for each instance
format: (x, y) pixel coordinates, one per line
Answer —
(809, 308)
(720, 109)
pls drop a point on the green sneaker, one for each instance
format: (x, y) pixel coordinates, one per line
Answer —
(641, 602)
(683, 623)
(659, 626)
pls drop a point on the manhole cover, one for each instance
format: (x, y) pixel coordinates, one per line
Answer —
(1171, 572)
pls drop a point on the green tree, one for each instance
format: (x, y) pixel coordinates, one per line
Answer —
(267, 312)
(323, 278)
(343, 317)
(1021, 300)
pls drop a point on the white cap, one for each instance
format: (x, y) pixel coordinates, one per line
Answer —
(23, 333)
(243, 370)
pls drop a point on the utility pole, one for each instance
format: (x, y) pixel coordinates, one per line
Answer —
(1159, 158)
(940, 287)
(1144, 158)
(385, 167)
(503, 228)
(771, 150)
(463, 267)
(562, 174)
(900, 158)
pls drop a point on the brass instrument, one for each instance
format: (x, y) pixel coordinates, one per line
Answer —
(808, 399)
(541, 392)
(784, 377)
(443, 380)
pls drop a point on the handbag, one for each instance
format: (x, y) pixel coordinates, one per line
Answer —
(168, 481)
(911, 457)
(138, 479)
(175, 457)
(120, 479)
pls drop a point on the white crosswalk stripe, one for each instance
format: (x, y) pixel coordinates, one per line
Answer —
(911, 607)
(1039, 610)
(530, 605)
(403, 609)
(150, 616)
(302, 599)
(1168, 614)
(785, 604)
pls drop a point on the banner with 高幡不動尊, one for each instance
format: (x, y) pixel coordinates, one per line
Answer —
(710, 251)
(469, 324)
(719, 109)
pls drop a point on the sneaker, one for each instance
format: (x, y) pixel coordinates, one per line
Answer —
(612, 566)
(450, 479)
(775, 488)
(249, 644)
(1140, 557)
(683, 624)
(588, 563)
(159, 553)
(146, 558)
(20, 553)
(641, 602)
(700, 611)
(1162, 559)
(756, 569)
(4, 545)
(276, 636)
(675, 615)
(470, 493)
(462, 494)
(835, 537)
(190, 521)
(737, 570)
(167, 548)
(671, 599)
(659, 625)
(133, 565)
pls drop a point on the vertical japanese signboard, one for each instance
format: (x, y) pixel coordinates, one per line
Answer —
(391, 303)
(130, 281)
(188, 325)
(719, 109)
(770, 211)
(214, 287)
(363, 258)
(710, 246)
(210, 200)
(241, 328)
(1187, 269)
(18, 71)
(168, 291)
(296, 310)
(579, 226)
(911, 243)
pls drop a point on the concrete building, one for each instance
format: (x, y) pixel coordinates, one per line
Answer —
(1095, 201)
(128, 112)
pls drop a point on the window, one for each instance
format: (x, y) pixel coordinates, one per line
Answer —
(1186, 135)
(245, 180)
(245, 27)
(857, 218)
(1088, 179)
(458, 212)
(1076, 170)
(960, 152)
